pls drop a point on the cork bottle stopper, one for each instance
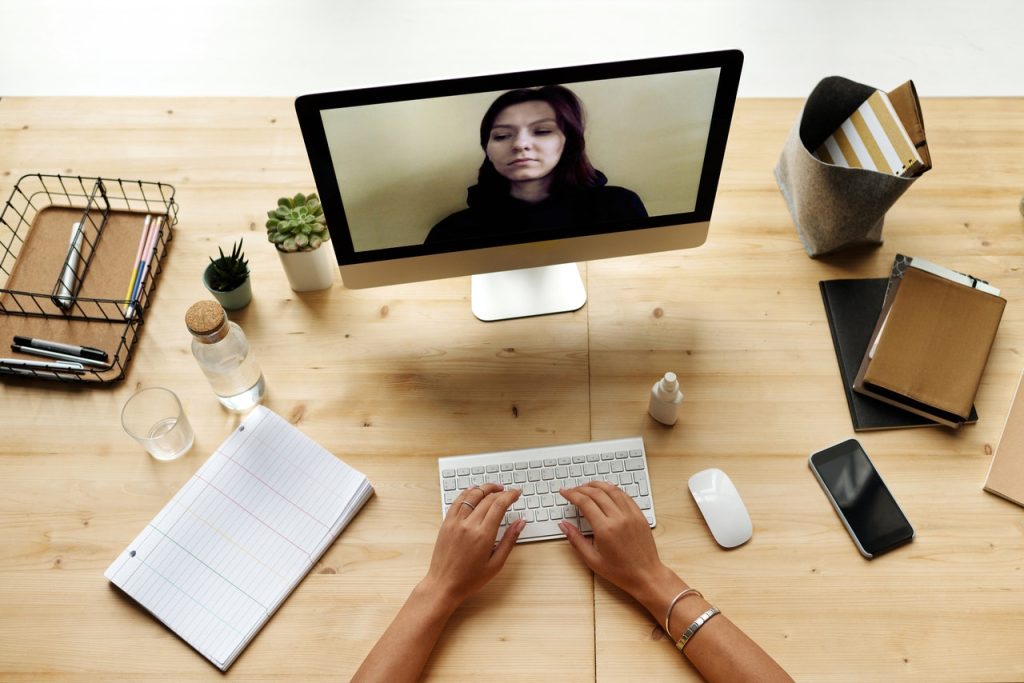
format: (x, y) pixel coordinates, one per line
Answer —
(203, 318)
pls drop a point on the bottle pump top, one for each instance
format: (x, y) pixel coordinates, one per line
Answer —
(668, 386)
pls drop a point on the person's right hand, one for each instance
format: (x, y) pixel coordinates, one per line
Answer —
(623, 550)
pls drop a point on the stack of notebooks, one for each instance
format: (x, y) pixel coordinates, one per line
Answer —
(884, 134)
(240, 535)
(912, 348)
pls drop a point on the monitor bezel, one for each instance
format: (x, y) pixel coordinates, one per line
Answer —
(309, 108)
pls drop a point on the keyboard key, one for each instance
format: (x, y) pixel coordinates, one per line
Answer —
(533, 475)
(476, 480)
(547, 473)
(644, 491)
(529, 489)
(505, 478)
(617, 466)
(550, 462)
(450, 496)
(564, 461)
(634, 464)
(477, 470)
(625, 478)
(492, 468)
(547, 500)
(447, 473)
(463, 471)
(621, 455)
(589, 469)
(520, 476)
(463, 482)
(578, 459)
(570, 511)
(506, 467)
(593, 457)
(541, 515)
(635, 453)
(561, 472)
(532, 502)
(575, 471)
(632, 490)
(585, 525)
(542, 487)
(607, 456)
(644, 502)
(535, 463)
(449, 484)
(519, 504)
(522, 465)
(555, 513)
(603, 468)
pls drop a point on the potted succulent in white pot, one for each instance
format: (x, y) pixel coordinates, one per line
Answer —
(298, 229)
(227, 278)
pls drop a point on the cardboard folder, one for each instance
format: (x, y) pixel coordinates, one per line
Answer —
(930, 346)
(1006, 475)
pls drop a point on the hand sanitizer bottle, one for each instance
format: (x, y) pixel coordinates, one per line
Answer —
(665, 399)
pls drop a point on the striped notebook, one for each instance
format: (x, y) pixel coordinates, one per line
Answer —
(873, 138)
(240, 535)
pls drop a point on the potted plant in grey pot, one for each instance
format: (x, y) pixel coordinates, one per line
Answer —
(298, 229)
(227, 278)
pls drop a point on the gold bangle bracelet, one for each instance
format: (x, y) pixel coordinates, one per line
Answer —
(695, 626)
(672, 605)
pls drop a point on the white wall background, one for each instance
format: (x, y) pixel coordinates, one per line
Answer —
(287, 47)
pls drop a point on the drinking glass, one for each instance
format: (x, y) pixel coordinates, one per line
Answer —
(154, 417)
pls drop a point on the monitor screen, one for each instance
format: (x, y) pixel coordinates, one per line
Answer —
(518, 170)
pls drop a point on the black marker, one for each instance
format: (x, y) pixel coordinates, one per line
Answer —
(71, 349)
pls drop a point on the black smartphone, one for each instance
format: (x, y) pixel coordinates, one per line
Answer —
(860, 497)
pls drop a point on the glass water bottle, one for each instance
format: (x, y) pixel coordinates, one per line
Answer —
(223, 354)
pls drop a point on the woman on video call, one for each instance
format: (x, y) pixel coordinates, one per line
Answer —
(536, 174)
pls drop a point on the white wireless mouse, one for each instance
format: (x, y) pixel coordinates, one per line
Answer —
(722, 507)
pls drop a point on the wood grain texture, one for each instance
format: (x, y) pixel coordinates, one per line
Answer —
(391, 378)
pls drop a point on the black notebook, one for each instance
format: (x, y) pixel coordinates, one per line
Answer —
(852, 308)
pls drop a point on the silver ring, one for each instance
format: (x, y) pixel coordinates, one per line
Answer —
(471, 506)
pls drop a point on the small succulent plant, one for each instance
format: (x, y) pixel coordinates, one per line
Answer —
(228, 272)
(297, 224)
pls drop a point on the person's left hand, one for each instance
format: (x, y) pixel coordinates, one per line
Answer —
(465, 557)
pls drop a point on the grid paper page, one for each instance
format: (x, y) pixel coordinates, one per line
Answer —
(226, 551)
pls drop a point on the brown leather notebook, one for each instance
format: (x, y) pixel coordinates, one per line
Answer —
(1006, 475)
(930, 346)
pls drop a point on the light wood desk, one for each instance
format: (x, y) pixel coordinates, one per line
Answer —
(391, 378)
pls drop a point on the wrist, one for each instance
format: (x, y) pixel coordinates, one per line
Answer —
(436, 597)
(658, 590)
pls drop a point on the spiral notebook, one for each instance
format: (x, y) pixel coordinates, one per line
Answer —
(235, 541)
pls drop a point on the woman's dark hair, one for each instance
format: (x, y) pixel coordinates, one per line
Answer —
(573, 168)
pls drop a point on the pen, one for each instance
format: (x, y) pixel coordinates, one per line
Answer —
(147, 257)
(43, 365)
(69, 374)
(61, 356)
(138, 258)
(69, 274)
(59, 347)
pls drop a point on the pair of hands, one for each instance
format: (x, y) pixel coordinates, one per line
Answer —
(465, 558)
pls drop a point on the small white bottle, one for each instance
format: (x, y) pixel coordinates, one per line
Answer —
(665, 399)
(223, 353)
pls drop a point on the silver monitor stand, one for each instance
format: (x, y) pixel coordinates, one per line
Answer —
(527, 291)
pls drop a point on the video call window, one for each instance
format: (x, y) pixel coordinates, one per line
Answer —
(454, 171)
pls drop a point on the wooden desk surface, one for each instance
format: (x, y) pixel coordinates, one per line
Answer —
(391, 378)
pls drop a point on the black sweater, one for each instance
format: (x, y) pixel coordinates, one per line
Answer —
(493, 214)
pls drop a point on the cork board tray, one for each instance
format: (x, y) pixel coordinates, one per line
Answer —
(97, 317)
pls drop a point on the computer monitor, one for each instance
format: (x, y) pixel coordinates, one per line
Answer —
(513, 178)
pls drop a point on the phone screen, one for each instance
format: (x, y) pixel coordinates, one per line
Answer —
(861, 497)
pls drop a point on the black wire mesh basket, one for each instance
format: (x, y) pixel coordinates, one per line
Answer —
(79, 261)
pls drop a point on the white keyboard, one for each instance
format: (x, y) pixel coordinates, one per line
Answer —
(540, 472)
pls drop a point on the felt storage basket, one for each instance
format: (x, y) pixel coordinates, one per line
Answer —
(833, 207)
